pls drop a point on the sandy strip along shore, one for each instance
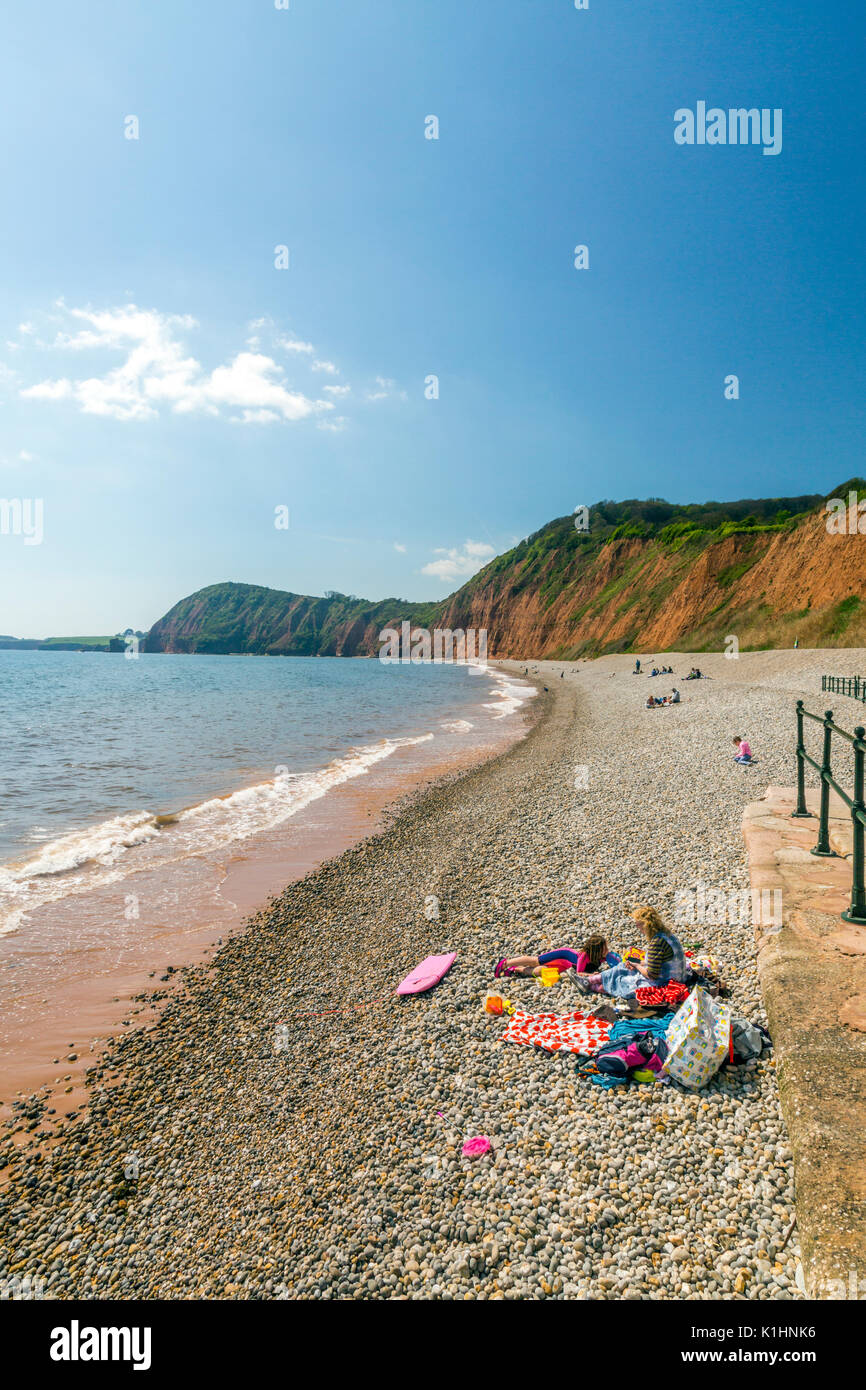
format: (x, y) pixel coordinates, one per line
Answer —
(323, 1160)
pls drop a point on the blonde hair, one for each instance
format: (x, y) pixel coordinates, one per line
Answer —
(649, 919)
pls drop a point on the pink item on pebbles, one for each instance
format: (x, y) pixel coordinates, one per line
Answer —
(474, 1148)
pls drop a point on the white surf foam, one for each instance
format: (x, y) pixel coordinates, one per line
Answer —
(510, 695)
(102, 854)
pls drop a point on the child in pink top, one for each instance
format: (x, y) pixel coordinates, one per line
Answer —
(592, 955)
(744, 752)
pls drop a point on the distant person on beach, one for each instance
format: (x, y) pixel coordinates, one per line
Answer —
(636, 671)
(650, 702)
(592, 955)
(664, 961)
(675, 696)
(744, 752)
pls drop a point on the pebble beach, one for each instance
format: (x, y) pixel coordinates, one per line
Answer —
(282, 1126)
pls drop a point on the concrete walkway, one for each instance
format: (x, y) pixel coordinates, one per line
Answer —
(812, 968)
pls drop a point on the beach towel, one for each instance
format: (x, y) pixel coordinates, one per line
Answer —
(575, 1032)
(671, 993)
(630, 1027)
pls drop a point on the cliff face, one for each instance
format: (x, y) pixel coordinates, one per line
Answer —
(636, 584)
(766, 588)
(229, 617)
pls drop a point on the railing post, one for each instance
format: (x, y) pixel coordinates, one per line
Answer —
(823, 846)
(857, 911)
(801, 765)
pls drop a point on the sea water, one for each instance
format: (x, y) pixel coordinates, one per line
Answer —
(109, 766)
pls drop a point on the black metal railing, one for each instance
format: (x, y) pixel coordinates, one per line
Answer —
(857, 911)
(845, 685)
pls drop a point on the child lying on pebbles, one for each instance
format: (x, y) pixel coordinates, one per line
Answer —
(665, 961)
(590, 956)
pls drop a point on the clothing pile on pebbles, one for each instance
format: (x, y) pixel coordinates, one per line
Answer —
(296, 1130)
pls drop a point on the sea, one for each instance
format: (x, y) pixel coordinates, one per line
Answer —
(111, 765)
(150, 804)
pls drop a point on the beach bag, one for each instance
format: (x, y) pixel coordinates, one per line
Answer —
(698, 1039)
(643, 1052)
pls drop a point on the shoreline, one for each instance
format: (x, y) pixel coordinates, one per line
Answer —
(296, 1128)
(66, 987)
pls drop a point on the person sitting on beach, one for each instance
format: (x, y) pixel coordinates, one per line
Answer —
(665, 961)
(744, 752)
(592, 955)
(675, 696)
(650, 702)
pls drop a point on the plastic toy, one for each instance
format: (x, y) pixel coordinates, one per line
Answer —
(497, 1004)
(474, 1148)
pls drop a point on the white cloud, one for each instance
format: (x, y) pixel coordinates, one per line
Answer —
(49, 390)
(289, 344)
(401, 548)
(459, 563)
(336, 425)
(156, 372)
(386, 390)
(325, 367)
(255, 417)
(21, 457)
(337, 390)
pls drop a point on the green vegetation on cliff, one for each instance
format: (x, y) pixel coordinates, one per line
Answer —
(641, 572)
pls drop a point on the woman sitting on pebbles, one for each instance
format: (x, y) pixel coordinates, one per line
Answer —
(592, 955)
(665, 961)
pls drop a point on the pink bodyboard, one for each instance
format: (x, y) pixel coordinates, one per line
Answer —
(427, 974)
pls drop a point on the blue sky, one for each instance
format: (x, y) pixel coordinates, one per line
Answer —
(161, 438)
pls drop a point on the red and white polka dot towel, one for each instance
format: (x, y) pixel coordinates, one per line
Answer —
(575, 1032)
